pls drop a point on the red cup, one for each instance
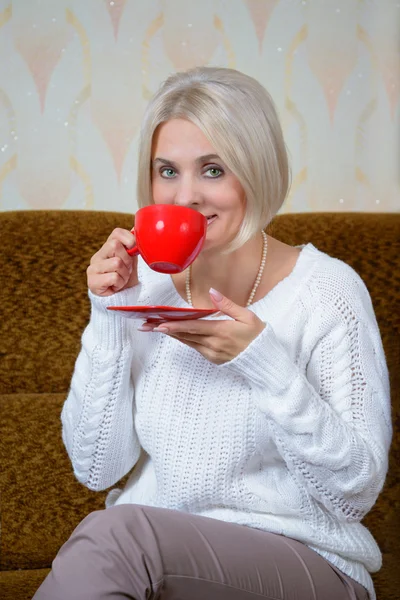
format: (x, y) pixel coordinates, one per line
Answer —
(168, 237)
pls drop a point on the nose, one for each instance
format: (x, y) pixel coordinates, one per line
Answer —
(187, 193)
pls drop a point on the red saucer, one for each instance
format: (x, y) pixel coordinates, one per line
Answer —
(154, 314)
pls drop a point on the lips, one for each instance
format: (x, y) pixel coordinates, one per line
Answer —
(210, 219)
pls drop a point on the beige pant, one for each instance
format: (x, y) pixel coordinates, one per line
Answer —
(139, 552)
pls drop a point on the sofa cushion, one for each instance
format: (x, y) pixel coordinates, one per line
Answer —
(42, 502)
(43, 263)
(21, 585)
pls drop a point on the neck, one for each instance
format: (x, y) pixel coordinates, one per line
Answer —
(232, 274)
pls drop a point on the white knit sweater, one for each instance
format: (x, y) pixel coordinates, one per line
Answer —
(291, 436)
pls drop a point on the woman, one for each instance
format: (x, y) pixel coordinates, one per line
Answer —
(259, 438)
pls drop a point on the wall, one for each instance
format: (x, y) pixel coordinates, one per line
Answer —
(75, 77)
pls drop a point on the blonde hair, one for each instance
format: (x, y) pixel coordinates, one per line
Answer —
(237, 115)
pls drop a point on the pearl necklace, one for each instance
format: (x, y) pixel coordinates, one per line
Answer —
(256, 283)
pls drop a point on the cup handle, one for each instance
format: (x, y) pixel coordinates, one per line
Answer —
(133, 251)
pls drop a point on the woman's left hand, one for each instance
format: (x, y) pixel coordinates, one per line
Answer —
(218, 341)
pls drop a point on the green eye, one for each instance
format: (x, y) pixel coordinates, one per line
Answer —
(168, 173)
(214, 172)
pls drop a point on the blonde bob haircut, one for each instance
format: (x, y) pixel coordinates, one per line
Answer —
(238, 116)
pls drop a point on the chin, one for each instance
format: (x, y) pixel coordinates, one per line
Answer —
(213, 244)
(209, 244)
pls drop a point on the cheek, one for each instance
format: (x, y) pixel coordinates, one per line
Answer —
(239, 207)
(230, 198)
(160, 192)
(242, 209)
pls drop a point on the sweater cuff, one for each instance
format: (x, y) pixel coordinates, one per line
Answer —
(110, 328)
(265, 363)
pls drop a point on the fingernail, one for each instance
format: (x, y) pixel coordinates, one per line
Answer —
(216, 295)
(161, 329)
(145, 328)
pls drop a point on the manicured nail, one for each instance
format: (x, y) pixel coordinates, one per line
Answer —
(161, 329)
(145, 328)
(216, 295)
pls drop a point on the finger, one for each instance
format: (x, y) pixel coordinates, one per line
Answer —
(110, 265)
(145, 327)
(200, 340)
(115, 247)
(193, 327)
(190, 344)
(124, 236)
(133, 278)
(228, 307)
(106, 283)
(154, 322)
(203, 341)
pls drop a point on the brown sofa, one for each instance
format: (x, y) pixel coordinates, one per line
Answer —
(44, 309)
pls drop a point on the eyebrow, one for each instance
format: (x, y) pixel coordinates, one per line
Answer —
(200, 159)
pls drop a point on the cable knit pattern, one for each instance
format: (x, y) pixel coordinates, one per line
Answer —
(291, 436)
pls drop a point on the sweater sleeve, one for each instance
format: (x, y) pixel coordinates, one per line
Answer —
(98, 414)
(331, 419)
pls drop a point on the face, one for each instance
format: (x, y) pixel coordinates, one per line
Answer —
(187, 171)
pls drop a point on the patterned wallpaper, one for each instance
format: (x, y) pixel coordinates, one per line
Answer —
(75, 76)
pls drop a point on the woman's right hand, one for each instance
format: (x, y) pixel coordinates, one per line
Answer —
(111, 269)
